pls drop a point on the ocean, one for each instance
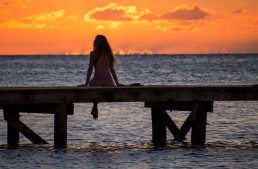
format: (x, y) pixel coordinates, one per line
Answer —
(121, 136)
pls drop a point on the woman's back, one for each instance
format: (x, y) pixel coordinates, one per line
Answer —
(102, 75)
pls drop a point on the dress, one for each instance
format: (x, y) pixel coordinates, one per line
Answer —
(102, 75)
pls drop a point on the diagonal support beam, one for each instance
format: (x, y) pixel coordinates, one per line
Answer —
(196, 119)
(172, 127)
(185, 128)
(16, 124)
(179, 134)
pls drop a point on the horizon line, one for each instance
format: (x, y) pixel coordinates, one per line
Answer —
(131, 54)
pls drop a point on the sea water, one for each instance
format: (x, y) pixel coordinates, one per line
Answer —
(121, 137)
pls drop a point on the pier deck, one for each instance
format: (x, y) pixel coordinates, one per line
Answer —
(59, 101)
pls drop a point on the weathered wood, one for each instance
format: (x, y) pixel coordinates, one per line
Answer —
(60, 127)
(179, 134)
(172, 127)
(167, 97)
(171, 105)
(12, 131)
(159, 134)
(15, 126)
(11, 114)
(184, 128)
(199, 124)
(33, 95)
(38, 108)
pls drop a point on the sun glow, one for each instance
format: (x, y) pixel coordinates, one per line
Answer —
(132, 27)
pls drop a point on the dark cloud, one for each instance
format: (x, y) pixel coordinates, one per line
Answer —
(111, 14)
(192, 13)
(239, 11)
(115, 12)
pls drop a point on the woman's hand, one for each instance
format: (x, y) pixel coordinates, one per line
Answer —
(82, 85)
(120, 84)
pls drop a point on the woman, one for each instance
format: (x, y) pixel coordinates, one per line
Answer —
(102, 60)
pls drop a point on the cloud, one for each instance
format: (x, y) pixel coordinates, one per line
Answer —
(176, 28)
(149, 17)
(113, 15)
(9, 6)
(100, 27)
(18, 24)
(185, 12)
(142, 52)
(74, 17)
(119, 52)
(50, 16)
(113, 25)
(34, 21)
(239, 11)
(24, 3)
(133, 52)
(198, 48)
(19, 3)
(110, 25)
(221, 51)
(115, 12)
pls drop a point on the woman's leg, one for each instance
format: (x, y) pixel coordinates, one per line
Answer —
(94, 111)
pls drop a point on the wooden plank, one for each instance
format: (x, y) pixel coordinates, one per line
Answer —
(33, 95)
(171, 105)
(39, 108)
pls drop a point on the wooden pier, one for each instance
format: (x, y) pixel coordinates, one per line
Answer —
(59, 101)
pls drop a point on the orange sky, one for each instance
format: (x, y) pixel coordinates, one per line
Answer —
(131, 26)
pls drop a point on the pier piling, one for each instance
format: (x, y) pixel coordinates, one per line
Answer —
(12, 131)
(199, 122)
(159, 134)
(60, 127)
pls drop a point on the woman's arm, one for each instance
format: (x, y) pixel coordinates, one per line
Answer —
(113, 72)
(90, 69)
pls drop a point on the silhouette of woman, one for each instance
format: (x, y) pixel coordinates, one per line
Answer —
(102, 60)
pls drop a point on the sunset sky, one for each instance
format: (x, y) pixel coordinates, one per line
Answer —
(131, 26)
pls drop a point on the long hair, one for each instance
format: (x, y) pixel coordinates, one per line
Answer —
(102, 47)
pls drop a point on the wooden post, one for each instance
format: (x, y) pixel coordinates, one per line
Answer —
(199, 123)
(12, 132)
(159, 135)
(60, 127)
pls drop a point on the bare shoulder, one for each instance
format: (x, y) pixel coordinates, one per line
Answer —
(92, 56)
(92, 53)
